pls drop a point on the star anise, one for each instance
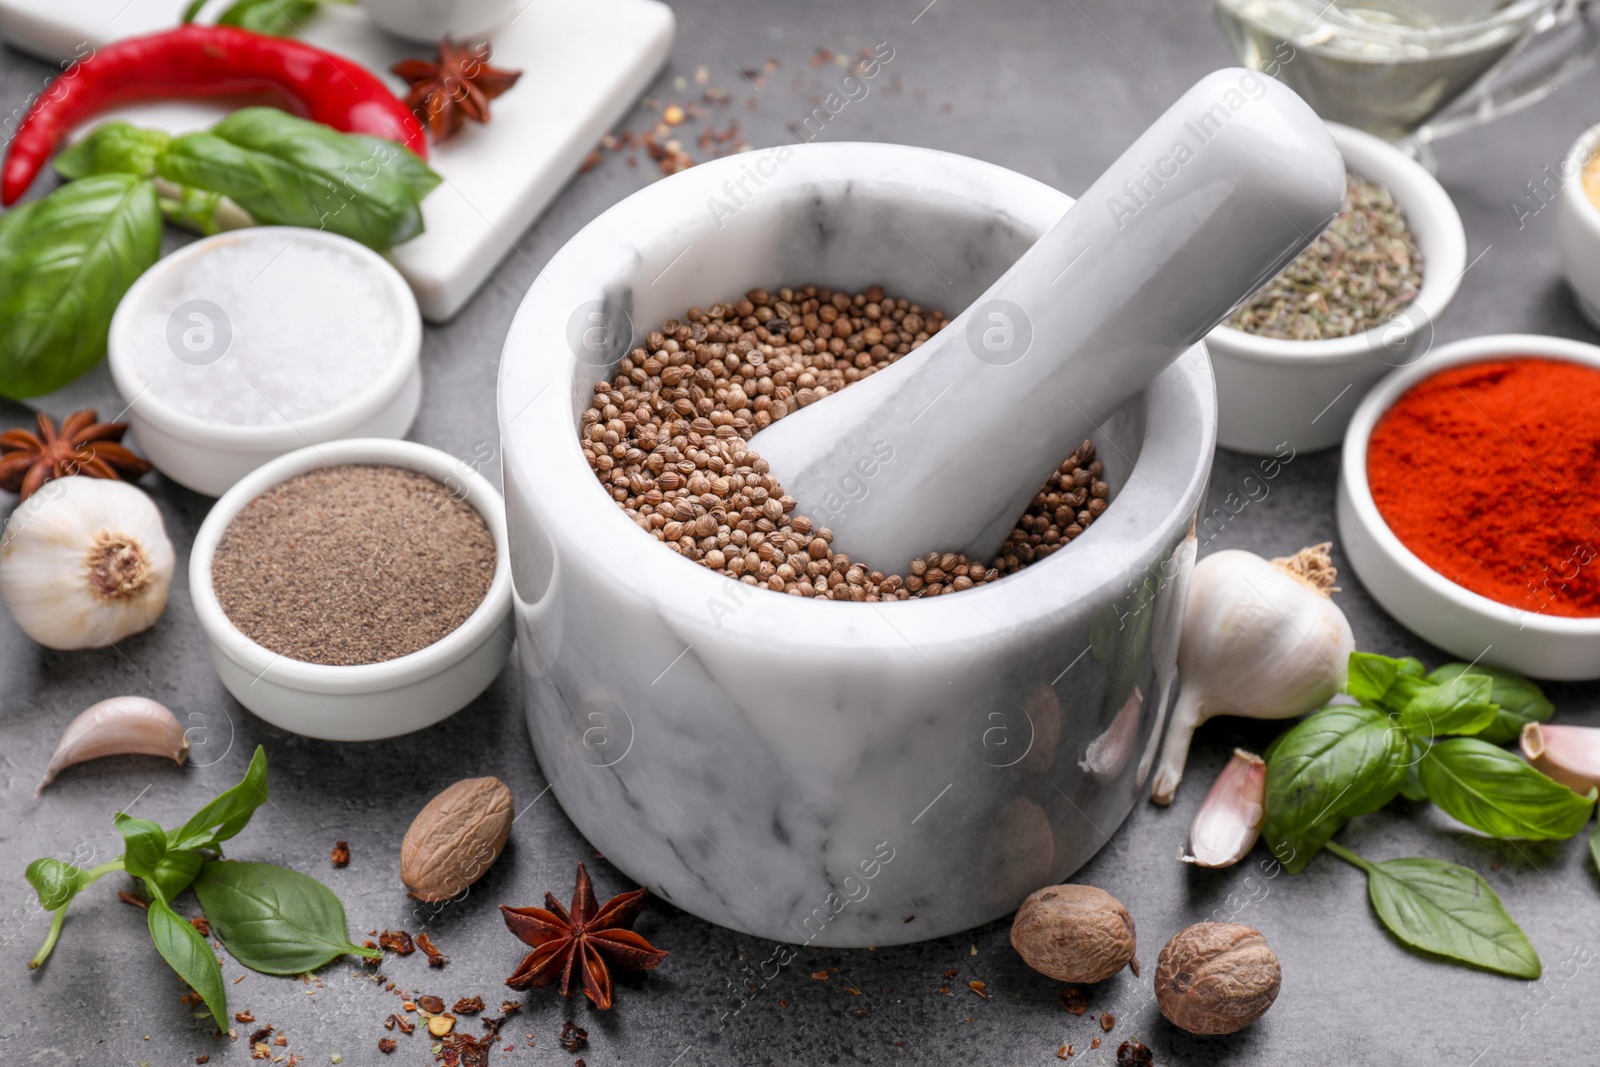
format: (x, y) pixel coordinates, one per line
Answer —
(83, 445)
(589, 937)
(459, 86)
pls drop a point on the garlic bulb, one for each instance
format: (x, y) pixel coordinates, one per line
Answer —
(1262, 639)
(85, 562)
(1229, 820)
(120, 726)
(1569, 754)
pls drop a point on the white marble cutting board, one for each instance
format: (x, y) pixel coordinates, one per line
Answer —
(584, 65)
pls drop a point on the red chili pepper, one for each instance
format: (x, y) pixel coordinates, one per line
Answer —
(208, 61)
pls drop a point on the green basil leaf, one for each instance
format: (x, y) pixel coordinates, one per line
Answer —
(1594, 848)
(275, 18)
(114, 148)
(227, 815)
(147, 845)
(1461, 705)
(1369, 677)
(1449, 911)
(192, 12)
(1338, 762)
(182, 946)
(272, 919)
(1411, 788)
(285, 170)
(65, 261)
(1521, 702)
(1493, 790)
(56, 881)
(175, 873)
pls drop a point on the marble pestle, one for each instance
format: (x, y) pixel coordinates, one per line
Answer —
(943, 450)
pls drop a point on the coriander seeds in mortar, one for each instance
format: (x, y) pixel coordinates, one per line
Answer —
(667, 437)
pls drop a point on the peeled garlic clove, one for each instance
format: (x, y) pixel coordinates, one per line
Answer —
(121, 726)
(1569, 754)
(85, 562)
(1229, 821)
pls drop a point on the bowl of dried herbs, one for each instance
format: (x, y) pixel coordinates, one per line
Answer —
(1294, 360)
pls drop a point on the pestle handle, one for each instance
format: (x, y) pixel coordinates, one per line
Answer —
(943, 450)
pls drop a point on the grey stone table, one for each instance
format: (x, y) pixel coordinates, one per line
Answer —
(1054, 90)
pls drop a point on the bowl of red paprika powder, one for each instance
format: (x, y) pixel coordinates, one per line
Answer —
(1469, 501)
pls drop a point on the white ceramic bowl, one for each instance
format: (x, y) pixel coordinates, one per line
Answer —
(209, 456)
(1579, 228)
(374, 700)
(1459, 621)
(1271, 391)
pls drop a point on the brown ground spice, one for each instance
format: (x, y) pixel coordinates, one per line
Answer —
(353, 564)
(667, 437)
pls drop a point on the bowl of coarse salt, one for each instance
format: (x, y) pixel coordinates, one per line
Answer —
(827, 772)
(244, 346)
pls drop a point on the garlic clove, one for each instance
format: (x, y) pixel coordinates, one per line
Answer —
(1569, 754)
(85, 562)
(120, 726)
(1108, 753)
(1229, 820)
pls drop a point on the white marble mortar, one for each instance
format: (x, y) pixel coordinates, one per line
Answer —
(817, 772)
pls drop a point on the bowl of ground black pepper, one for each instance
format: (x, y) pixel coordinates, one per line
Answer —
(355, 590)
(1293, 361)
(770, 735)
(1467, 502)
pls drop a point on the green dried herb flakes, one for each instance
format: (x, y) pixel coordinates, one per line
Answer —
(1364, 268)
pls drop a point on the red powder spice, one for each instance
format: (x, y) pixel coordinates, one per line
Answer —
(1490, 473)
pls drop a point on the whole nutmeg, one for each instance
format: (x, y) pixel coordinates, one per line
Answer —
(1074, 933)
(455, 839)
(1216, 978)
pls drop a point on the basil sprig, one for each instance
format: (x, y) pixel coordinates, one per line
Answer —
(1423, 735)
(67, 259)
(270, 919)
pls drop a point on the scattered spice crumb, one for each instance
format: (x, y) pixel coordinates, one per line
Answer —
(944, 990)
(573, 1037)
(951, 973)
(387, 1045)
(243, 1017)
(1073, 1000)
(1107, 1021)
(1063, 1052)
(405, 1025)
(261, 1035)
(341, 853)
(128, 898)
(203, 1059)
(1134, 1054)
(1095, 1043)
(280, 1041)
(979, 988)
(468, 1006)
(199, 923)
(239, 979)
(510, 1007)
(435, 957)
(974, 950)
(821, 976)
(440, 1025)
(783, 1003)
(431, 1004)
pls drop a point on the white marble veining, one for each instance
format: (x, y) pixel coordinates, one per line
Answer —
(818, 772)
